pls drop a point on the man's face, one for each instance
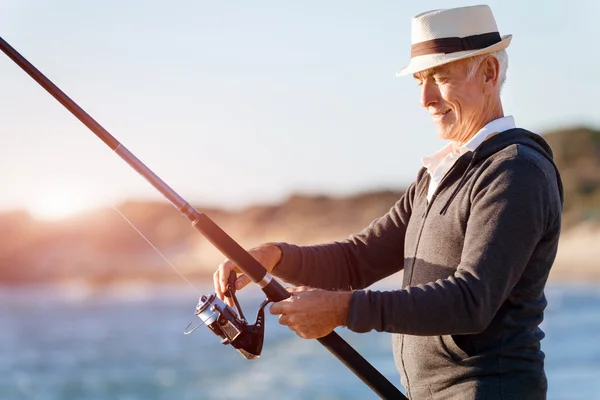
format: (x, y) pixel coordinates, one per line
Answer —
(455, 102)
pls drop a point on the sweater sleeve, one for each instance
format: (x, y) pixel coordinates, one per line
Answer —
(512, 206)
(355, 263)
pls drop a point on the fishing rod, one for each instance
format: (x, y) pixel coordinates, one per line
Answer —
(219, 317)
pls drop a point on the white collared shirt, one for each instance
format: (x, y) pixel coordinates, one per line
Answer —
(439, 163)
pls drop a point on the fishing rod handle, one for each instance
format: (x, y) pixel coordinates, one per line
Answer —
(368, 374)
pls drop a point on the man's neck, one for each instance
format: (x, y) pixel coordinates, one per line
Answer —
(497, 113)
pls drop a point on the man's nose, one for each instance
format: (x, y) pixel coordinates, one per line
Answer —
(429, 93)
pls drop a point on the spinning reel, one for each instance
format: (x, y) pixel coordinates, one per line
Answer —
(231, 327)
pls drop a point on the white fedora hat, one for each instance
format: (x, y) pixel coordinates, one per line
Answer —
(442, 36)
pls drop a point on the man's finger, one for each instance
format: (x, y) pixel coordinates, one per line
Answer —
(242, 281)
(285, 319)
(302, 334)
(217, 285)
(280, 307)
(292, 290)
(218, 291)
(224, 269)
(298, 289)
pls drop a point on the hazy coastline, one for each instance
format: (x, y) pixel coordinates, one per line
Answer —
(100, 247)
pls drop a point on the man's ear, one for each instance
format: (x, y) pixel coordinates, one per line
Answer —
(491, 74)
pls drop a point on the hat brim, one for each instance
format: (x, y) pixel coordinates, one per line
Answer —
(422, 63)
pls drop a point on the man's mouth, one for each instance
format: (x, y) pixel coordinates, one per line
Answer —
(438, 115)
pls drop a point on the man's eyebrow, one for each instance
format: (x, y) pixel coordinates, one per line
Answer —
(425, 74)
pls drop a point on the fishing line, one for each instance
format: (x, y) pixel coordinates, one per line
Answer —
(169, 263)
(247, 339)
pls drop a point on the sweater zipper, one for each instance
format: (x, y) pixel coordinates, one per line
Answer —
(425, 214)
(412, 269)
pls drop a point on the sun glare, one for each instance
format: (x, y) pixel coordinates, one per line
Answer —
(56, 206)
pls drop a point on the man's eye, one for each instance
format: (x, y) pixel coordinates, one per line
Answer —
(440, 79)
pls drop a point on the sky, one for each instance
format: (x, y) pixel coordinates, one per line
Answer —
(234, 103)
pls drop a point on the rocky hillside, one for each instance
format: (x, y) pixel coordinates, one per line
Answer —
(577, 154)
(101, 247)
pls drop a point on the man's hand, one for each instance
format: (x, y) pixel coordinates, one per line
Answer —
(268, 255)
(312, 313)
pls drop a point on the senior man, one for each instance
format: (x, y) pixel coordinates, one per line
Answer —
(475, 234)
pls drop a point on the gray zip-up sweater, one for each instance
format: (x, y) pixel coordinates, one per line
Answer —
(476, 259)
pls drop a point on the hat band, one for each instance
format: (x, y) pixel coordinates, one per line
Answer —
(455, 44)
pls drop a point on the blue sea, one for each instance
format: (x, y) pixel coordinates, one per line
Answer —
(127, 343)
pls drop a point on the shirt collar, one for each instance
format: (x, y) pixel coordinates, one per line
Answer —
(432, 161)
(495, 126)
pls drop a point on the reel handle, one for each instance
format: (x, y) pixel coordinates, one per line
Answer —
(230, 292)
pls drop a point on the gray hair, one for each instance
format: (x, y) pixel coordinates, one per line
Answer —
(501, 56)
